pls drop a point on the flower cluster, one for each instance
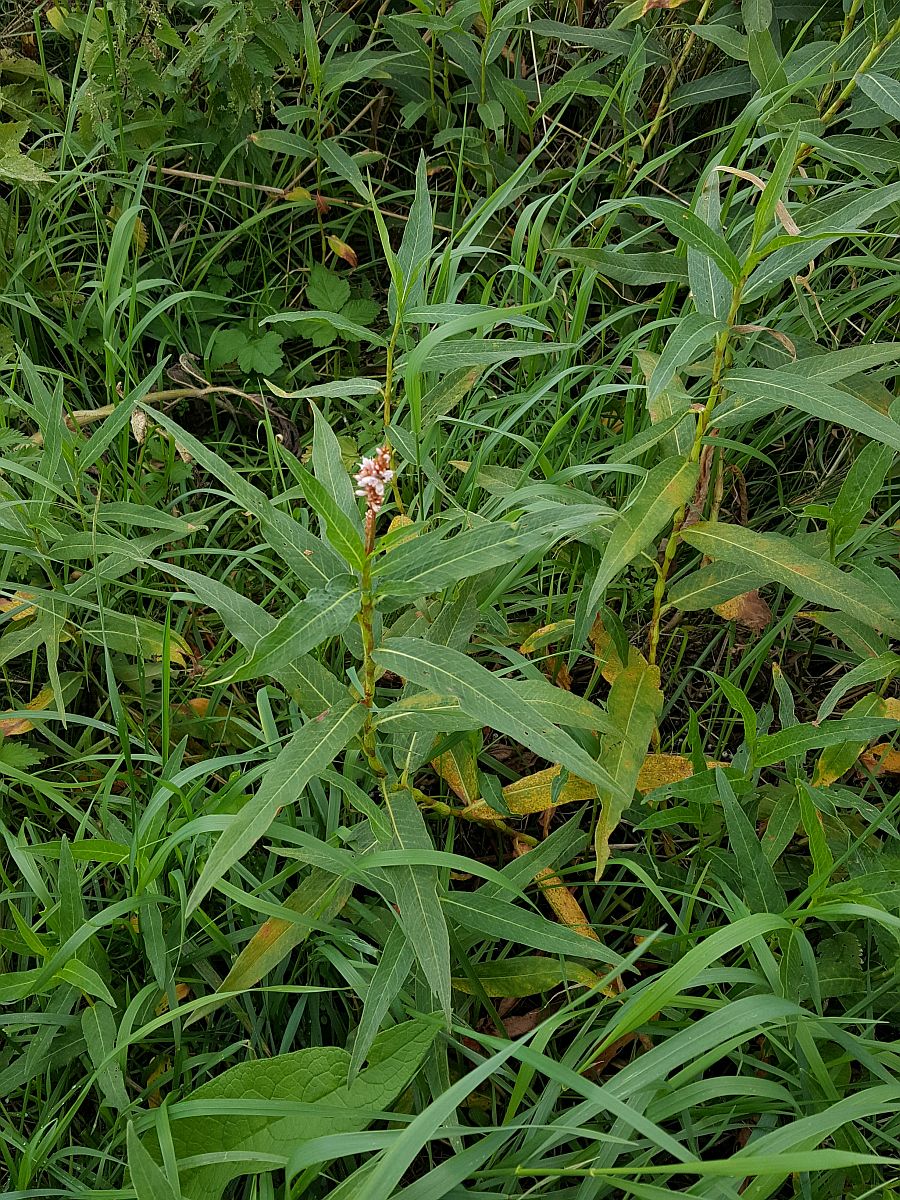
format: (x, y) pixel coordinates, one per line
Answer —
(371, 478)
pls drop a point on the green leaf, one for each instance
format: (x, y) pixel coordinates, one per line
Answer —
(326, 289)
(342, 531)
(665, 489)
(147, 1179)
(309, 1095)
(497, 919)
(311, 560)
(775, 188)
(711, 290)
(762, 891)
(883, 91)
(415, 248)
(525, 975)
(634, 705)
(329, 469)
(428, 563)
(339, 161)
(258, 353)
(417, 896)
(713, 584)
(280, 141)
(321, 615)
(13, 164)
(319, 317)
(861, 485)
(318, 899)
(872, 670)
(840, 963)
(774, 557)
(312, 685)
(774, 748)
(488, 698)
(310, 751)
(639, 269)
(692, 333)
(99, 1028)
(695, 233)
(784, 389)
(391, 970)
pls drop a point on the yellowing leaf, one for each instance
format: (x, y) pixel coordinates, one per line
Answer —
(836, 760)
(747, 609)
(546, 635)
(13, 726)
(882, 760)
(458, 767)
(342, 250)
(660, 769)
(634, 705)
(182, 991)
(604, 648)
(17, 606)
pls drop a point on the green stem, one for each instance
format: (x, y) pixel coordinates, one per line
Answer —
(720, 360)
(850, 87)
(366, 618)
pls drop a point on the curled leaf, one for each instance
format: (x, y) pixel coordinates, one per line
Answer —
(748, 609)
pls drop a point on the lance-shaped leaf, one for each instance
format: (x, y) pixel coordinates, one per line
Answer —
(310, 750)
(780, 559)
(416, 892)
(489, 698)
(322, 614)
(634, 705)
(665, 489)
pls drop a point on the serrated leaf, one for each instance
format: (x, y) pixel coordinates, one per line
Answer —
(778, 558)
(310, 750)
(326, 289)
(489, 698)
(321, 615)
(634, 705)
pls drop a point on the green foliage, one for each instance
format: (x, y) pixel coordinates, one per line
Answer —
(532, 831)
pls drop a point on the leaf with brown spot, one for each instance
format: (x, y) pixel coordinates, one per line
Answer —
(17, 605)
(342, 250)
(649, 5)
(882, 759)
(607, 656)
(15, 726)
(748, 609)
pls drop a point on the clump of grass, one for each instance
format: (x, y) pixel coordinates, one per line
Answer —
(538, 838)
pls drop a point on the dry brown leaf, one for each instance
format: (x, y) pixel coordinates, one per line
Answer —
(881, 760)
(748, 609)
(892, 708)
(649, 5)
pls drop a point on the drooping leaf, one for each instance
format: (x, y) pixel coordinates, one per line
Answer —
(417, 895)
(784, 389)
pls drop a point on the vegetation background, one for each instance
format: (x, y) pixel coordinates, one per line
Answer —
(537, 834)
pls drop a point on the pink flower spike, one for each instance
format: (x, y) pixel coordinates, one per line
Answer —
(371, 478)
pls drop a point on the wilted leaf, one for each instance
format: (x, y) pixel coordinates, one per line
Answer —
(882, 760)
(342, 250)
(748, 609)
